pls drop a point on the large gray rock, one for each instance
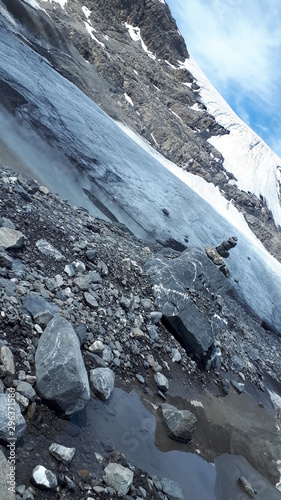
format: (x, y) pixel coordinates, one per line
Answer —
(7, 478)
(60, 369)
(176, 278)
(102, 382)
(10, 238)
(181, 423)
(9, 406)
(118, 477)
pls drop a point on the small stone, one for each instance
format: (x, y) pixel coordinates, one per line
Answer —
(155, 317)
(44, 190)
(140, 378)
(214, 256)
(247, 486)
(22, 401)
(118, 477)
(152, 332)
(102, 382)
(161, 382)
(176, 356)
(238, 386)
(62, 453)
(26, 390)
(97, 347)
(90, 300)
(44, 478)
(7, 359)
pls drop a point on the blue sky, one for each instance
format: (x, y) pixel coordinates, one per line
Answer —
(237, 44)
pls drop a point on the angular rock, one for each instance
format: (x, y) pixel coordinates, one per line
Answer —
(62, 453)
(172, 489)
(42, 318)
(5, 260)
(60, 369)
(181, 423)
(44, 478)
(34, 303)
(10, 238)
(190, 327)
(246, 485)
(118, 477)
(161, 382)
(90, 300)
(26, 390)
(215, 257)
(8, 404)
(49, 250)
(102, 382)
(7, 359)
(7, 478)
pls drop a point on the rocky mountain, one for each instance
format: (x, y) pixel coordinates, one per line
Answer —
(156, 265)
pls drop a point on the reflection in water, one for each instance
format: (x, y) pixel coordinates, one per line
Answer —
(124, 424)
(229, 469)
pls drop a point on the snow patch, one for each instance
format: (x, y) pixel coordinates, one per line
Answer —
(196, 403)
(177, 115)
(256, 167)
(134, 33)
(61, 2)
(90, 30)
(154, 139)
(196, 106)
(87, 12)
(33, 4)
(127, 97)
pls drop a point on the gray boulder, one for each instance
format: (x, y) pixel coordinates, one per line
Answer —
(10, 238)
(118, 477)
(9, 405)
(102, 382)
(181, 423)
(60, 369)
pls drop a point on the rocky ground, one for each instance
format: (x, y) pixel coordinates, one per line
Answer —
(110, 292)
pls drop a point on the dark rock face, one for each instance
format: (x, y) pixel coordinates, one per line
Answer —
(190, 327)
(177, 279)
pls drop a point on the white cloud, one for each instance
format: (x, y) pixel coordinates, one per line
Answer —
(237, 43)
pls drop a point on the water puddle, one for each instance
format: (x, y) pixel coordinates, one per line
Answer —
(221, 437)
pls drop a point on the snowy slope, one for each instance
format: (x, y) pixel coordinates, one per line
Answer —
(256, 167)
